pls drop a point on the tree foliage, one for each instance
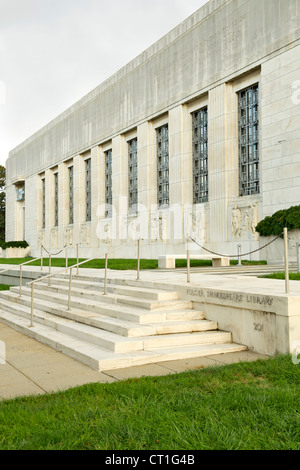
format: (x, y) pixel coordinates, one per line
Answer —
(274, 225)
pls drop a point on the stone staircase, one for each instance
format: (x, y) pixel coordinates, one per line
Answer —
(134, 324)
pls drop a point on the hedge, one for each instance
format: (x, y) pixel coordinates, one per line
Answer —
(274, 225)
(21, 244)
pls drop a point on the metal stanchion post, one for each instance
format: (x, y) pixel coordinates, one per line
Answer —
(286, 260)
(188, 261)
(138, 261)
(49, 279)
(31, 315)
(298, 257)
(20, 292)
(41, 258)
(77, 254)
(67, 257)
(105, 279)
(70, 287)
(239, 255)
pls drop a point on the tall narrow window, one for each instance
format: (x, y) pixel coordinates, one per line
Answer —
(162, 134)
(132, 176)
(43, 203)
(249, 141)
(200, 156)
(108, 183)
(56, 199)
(71, 199)
(88, 192)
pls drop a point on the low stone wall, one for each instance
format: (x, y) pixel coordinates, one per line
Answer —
(266, 324)
(13, 252)
(274, 252)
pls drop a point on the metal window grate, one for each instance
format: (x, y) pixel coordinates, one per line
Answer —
(132, 176)
(108, 183)
(249, 140)
(71, 198)
(88, 190)
(43, 203)
(162, 136)
(200, 156)
(56, 199)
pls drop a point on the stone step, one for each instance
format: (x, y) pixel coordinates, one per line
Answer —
(112, 288)
(118, 343)
(147, 304)
(102, 359)
(119, 327)
(52, 303)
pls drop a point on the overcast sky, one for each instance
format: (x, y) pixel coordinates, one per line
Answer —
(53, 52)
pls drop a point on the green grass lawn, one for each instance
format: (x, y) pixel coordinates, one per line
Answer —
(281, 275)
(243, 406)
(120, 264)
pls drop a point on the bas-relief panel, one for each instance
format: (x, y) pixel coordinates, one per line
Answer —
(68, 236)
(85, 235)
(243, 222)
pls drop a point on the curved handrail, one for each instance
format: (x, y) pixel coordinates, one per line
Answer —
(70, 268)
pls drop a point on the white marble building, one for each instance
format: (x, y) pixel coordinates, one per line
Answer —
(200, 134)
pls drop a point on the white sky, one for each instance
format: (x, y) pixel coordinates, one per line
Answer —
(53, 52)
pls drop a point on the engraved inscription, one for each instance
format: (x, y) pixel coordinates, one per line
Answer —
(231, 296)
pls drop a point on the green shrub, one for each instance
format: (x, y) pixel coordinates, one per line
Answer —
(274, 225)
(20, 244)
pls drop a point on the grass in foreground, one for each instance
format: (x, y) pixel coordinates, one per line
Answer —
(240, 406)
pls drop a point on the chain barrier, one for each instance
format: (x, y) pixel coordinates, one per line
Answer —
(54, 254)
(239, 255)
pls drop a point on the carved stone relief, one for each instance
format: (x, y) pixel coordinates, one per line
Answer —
(244, 221)
(85, 235)
(68, 236)
(53, 238)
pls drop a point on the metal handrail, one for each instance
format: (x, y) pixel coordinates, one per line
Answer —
(70, 268)
(21, 266)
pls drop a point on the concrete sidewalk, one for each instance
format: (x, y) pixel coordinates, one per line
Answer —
(31, 368)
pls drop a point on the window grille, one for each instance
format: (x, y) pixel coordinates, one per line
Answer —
(43, 203)
(200, 156)
(162, 134)
(249, 140)
(108, 183)
(88, 192)
(132, 176)
(56, 199)
(71, 200)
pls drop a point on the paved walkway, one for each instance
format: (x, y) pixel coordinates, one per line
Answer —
(31, 368)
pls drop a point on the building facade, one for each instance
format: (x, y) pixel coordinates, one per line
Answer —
(198, 136)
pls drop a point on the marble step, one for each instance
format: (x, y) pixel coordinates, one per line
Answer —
(102, 359)
(118, 343)
(112, 288)
(13, 304)
(44, 291)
